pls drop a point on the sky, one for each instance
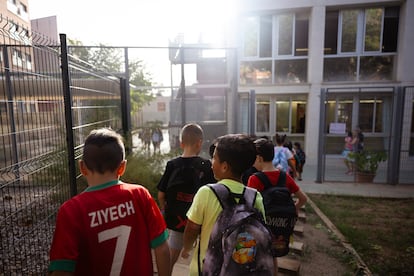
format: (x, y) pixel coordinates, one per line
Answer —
(135, 22)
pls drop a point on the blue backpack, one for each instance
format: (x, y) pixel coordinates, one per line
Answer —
(280, 160)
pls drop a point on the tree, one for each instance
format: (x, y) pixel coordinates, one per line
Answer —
(110, 59)
(139, 78)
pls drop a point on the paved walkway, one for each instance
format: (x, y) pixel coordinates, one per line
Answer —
(359, 189)
(308, 185)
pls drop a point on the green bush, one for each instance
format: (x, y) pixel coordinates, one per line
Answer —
(368, 161)
(146, 170)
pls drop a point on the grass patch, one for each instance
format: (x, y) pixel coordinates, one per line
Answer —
(381, 230)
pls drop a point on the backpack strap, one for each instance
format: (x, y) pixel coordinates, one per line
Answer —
(249, 195)
(223, 194)
(264, 179)
(281, 182)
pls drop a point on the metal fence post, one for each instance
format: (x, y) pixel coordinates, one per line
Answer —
(321, 144)
(182, 87)
(10, 107)
(393, 169)
(252, 111)
(68, 113)
(126, 115)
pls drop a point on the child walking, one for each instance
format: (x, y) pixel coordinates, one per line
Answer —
(171, 199)
(111, 227)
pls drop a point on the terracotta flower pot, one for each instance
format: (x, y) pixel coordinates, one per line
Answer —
(362, 177)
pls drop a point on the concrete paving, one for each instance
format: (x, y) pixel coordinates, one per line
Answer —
(342, 184)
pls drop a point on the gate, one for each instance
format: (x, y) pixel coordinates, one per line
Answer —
(376, 111)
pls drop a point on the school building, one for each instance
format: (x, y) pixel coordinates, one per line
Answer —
(319, 68)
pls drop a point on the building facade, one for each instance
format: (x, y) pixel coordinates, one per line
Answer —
(350, 59)
(18, 26)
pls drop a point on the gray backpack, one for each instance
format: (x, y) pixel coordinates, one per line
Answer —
(240, 243)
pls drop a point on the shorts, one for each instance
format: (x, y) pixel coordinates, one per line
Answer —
(346, 153)
(175, 240)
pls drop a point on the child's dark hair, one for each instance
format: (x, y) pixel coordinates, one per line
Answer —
(265, 149)
(288, 145)
(298, 145)
(280, 139)
(238, 150)
(103, 150)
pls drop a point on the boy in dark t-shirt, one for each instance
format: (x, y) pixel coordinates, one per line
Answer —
(191, 140)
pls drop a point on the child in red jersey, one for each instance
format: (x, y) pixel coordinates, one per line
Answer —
(265, 155)
(111, 227)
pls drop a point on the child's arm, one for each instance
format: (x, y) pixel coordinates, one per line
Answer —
(301, 200)
(191, 232)
(162, 258)
(292, 166)
(161, 200)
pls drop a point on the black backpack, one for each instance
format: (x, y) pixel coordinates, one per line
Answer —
(240, 243)
(301, 155)
(184, 182)
(281, 213)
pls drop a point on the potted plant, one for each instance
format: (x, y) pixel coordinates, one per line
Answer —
(366, 164)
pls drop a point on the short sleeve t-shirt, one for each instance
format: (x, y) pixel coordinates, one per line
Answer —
(205, 210)
(107, 229)
(254, 181)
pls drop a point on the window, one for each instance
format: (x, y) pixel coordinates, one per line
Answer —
(275, 49)
(28, 62)
(370, 111)
(282, 115)
(263, 115)
(251, 32)
(17, 58)
(373, 26)
(290, 114)
(349, 20)
(374, 113)
(285, 40)
(265, 36)
(360, 44)
(339, 110)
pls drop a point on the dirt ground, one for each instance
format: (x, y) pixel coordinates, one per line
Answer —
(323, 254)
(321, 257)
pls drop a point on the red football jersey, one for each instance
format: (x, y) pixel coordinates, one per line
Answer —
(108, 230)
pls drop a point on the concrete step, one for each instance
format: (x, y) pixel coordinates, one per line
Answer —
(297, 247)
(298, 230)
(288, 266)
(302, 216)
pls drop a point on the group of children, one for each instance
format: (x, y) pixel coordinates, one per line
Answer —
(111, 227)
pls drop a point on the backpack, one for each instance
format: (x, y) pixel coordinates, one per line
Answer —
(280, 210)
(240, 243)
(184, 182)
(301, 155)
(280, 160)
